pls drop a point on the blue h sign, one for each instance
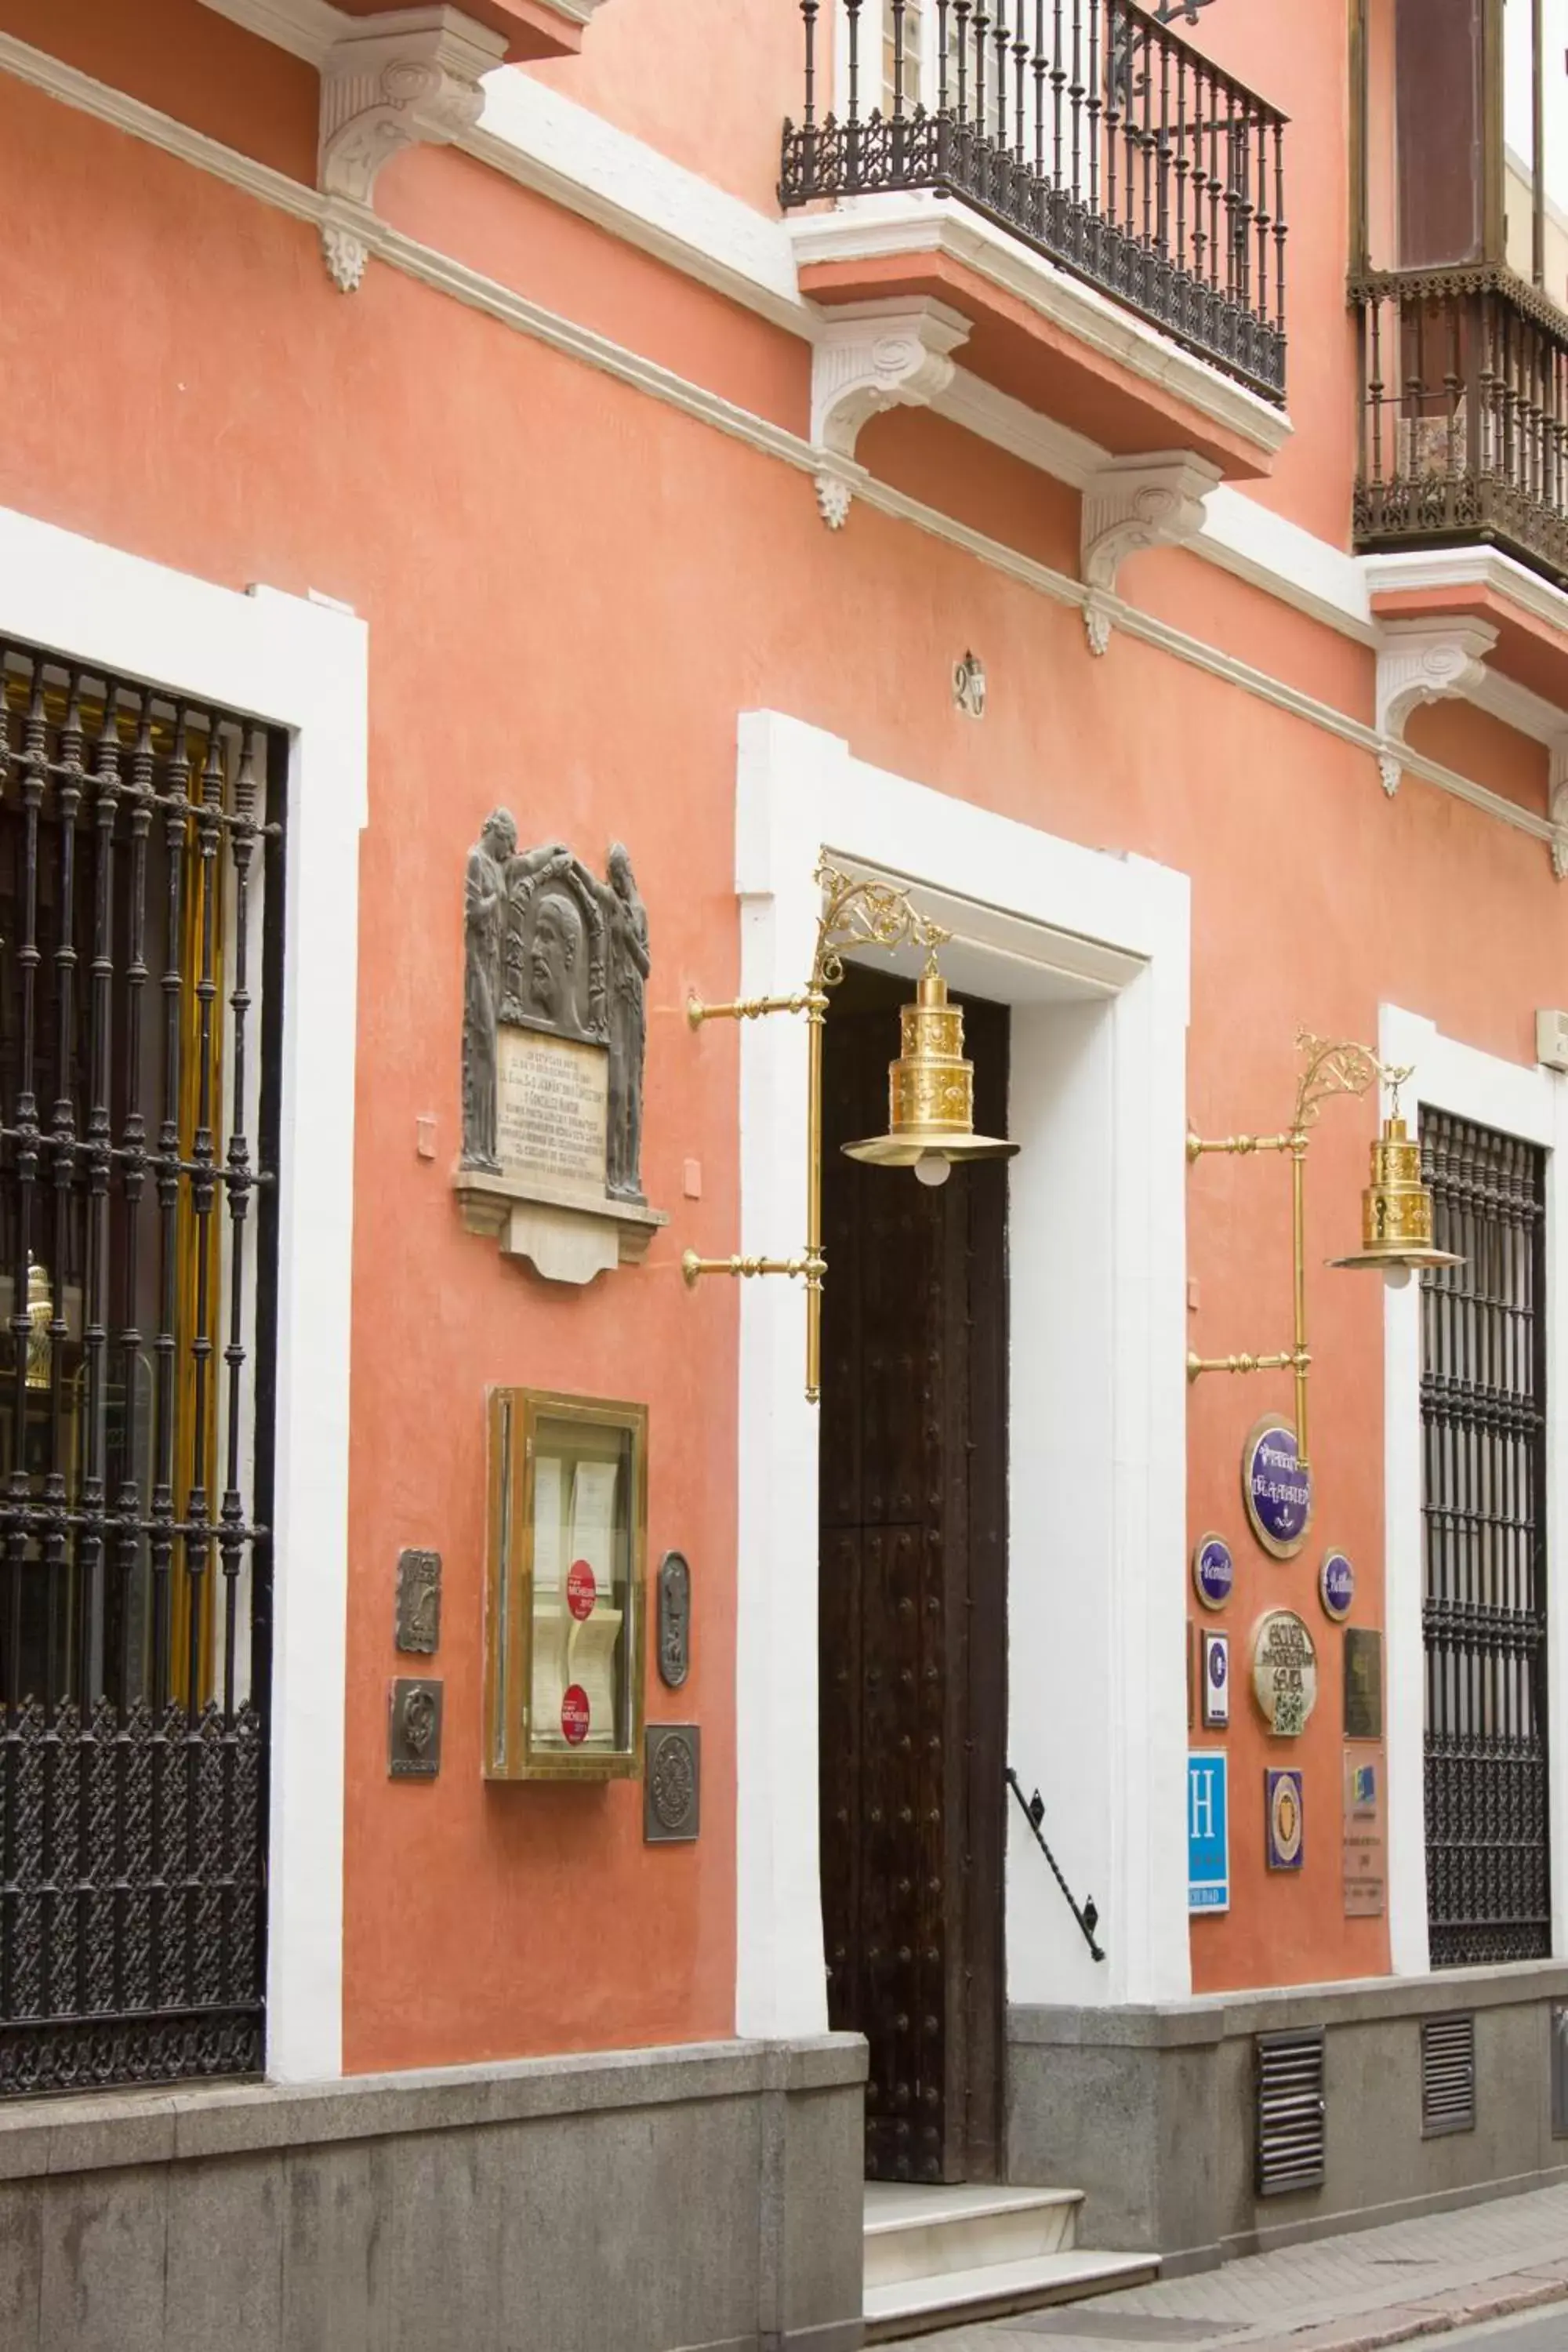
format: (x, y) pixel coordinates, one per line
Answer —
(1208, 1831)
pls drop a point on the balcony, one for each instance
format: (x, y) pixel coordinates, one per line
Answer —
(1464, 415)
(1084, 128)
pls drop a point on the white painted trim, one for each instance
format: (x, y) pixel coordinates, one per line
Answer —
(443, 275)
(1467, 567)
(306, 28)
(866, 228)
(303, 666)
(1530, 1102)
(1103, 1547)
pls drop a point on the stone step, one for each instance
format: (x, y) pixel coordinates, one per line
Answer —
(949, 2298)
(918, 2233)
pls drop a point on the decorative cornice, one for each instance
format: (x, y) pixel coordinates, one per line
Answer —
(872, 356)
(1131, 503)
(1424, 661)
(391, 82)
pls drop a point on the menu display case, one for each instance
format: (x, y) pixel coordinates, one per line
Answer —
(563, 1604)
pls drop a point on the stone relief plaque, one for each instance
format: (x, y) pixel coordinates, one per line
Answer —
(672, 1783)
(556, 966)
(1284, 1672)
(414, 1730)
(418, 1626)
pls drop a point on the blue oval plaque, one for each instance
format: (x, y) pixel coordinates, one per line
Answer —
(1213, 1570)
(1336, 1586)
(1276, 1489)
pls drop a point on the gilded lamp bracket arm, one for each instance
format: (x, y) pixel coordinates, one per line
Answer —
(754, 1008)
(1287, 1360)
(693, 1267)
(1197, 1145)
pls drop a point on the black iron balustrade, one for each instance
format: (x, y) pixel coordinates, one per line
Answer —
(1485, 1592)
(1465, 415)
(1087, 128)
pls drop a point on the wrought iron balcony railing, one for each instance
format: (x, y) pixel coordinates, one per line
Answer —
(1465, 415)
(1087, 128)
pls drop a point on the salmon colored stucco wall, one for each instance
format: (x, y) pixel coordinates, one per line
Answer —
(572, 589)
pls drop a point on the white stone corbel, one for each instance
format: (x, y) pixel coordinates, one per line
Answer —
(1132, 503)
(870, 356)
(409, 77)
(1422, 661)
(1557, 803)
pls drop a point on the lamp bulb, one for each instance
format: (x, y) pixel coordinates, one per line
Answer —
(933, 1168)
(1397, 1278)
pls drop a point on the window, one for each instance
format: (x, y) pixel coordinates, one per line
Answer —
(1483, 1502)
(139, 932)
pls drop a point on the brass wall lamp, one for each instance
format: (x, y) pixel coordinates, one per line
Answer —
(930, 1086)
(1396, 1207)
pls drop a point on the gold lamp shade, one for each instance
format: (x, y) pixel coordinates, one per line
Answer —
(931, 1093)
(1396, 1212)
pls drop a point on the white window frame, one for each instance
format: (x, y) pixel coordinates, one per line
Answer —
(1530, 1102)
(300, 665)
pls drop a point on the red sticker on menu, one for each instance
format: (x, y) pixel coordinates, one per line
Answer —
(574, 1714)
(581, 1589)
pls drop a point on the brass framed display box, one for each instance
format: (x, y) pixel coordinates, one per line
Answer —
(564, 1598)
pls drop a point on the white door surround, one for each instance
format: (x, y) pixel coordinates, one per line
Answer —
(1092, 951)
(299, 665)
(1533, 1104)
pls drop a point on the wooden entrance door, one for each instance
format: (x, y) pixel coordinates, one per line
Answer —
(913, 1605)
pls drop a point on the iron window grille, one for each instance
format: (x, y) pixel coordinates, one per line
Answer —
(141, 905)
(1089, 129)
(1483, 1398)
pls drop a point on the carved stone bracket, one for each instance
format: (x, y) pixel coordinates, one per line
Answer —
(563, 1237)
(1132, 503)
(871, 356)
(1557, 803)
(1422, 661)
(409, 77)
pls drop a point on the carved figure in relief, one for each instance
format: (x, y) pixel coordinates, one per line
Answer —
(627, 922)
(548, 947)
(484, 925)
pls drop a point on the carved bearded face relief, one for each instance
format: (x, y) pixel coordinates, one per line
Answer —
(553, 956)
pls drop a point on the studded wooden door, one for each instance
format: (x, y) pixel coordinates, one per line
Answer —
(914, 1607)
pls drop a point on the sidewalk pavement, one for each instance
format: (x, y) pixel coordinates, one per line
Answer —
(1356, 2294)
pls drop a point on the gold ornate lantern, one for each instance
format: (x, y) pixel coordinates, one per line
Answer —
(931, 1093)
(1396, 1212)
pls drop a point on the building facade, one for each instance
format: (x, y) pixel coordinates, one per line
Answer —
(527, 530)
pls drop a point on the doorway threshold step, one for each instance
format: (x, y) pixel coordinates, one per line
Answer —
(914, 2306)
(917, 2231)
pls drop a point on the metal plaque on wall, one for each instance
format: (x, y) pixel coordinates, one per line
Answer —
(672, 1783)
(1365, 1837)
(414, 1729)
(1363, 1684)
(418, 1628)
(673, 1619)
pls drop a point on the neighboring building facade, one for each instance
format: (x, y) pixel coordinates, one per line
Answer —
(494, 502)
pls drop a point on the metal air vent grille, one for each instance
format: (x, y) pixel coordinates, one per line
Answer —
(1291, 2112)
(1447, 2075)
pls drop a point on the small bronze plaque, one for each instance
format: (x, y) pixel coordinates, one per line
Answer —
(672, 1783)
(414, 1730)
(1363, 1684)
(673, 1619)
(418, 1603)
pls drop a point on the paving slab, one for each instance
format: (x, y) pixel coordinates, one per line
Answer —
(1363, 2292)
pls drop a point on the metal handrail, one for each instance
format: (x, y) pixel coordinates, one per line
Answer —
(1034, 1813)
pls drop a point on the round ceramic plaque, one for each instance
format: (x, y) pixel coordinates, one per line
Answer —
(1276, 1489)
(1284, 1821)
(1284, 1672)
(1336, 1586)
(1213, 1570)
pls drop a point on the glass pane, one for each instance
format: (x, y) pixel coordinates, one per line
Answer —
(582, 1573)
(1437, 138)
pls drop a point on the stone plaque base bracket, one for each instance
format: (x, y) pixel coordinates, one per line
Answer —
(565, 1236)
